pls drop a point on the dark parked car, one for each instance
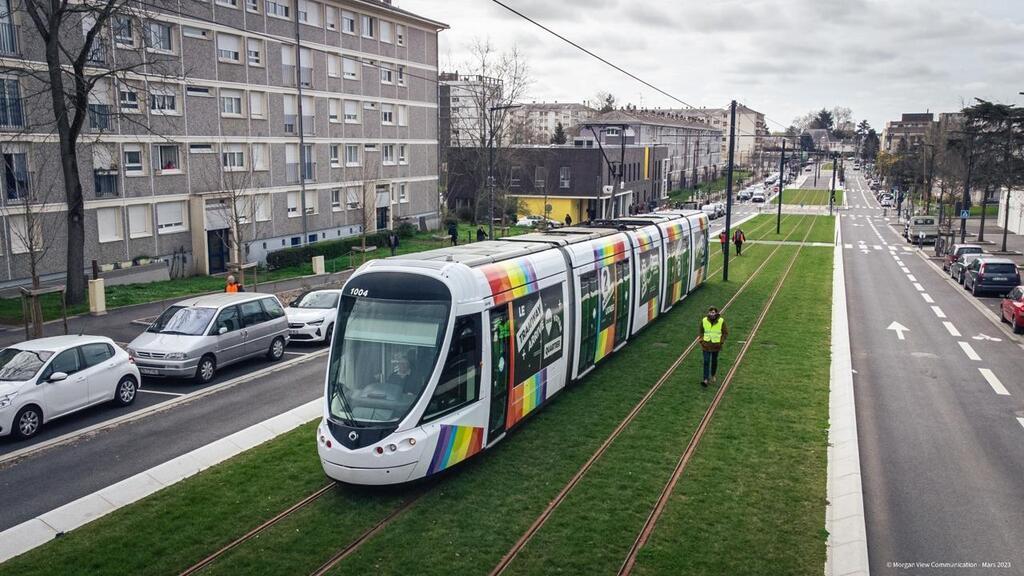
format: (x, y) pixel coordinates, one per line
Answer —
(1012, 309)
(957, 251)
(991, 275)
(956, 269)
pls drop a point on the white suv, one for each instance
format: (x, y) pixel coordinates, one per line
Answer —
(51, 377)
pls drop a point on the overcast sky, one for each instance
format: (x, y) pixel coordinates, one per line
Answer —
(780, 57)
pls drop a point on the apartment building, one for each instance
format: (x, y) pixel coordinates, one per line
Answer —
(693, 148)
(463, 100)
(909, 130)
(269, 122)
(751, 128)
(535, 123)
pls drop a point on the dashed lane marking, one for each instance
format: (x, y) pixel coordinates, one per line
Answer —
(911, 278)
(969, 351)
(877, 247)
(951, 329)
(918, 287)
(927, 298)
(994, 382)
(938, 312)
(1021, 420)
(847, 246)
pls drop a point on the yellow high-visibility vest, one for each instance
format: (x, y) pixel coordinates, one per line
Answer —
(713, 332)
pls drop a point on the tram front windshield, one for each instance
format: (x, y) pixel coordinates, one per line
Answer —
(382, 358)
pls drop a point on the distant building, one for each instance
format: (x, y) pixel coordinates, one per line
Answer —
(822, 140)
(462, 107)
(909, 130)
(750, 130)
(535, 123)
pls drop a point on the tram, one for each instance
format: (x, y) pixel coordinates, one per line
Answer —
(438, 355)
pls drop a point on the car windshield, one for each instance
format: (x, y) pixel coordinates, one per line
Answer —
(1000, 268)
(384, 357)
(317, 300)
(183, 320)
(19, 365)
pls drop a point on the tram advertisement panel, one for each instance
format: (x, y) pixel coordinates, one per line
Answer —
(700, 254)
(525, 343)
(650, 281)
(604, 303)
(678, 274)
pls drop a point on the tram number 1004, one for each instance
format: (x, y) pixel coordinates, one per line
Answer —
(359, 292)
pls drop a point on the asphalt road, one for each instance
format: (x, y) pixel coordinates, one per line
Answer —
(939, 411)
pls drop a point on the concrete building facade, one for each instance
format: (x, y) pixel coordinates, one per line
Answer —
(751, 129)
(312, 129)
(535, 123)
(911, 129)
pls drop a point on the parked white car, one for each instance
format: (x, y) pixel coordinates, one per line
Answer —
(311, 316)
(537, 222)
(713, 210)
(52, 377)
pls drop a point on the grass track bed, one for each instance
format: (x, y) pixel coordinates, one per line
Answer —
(808, 197)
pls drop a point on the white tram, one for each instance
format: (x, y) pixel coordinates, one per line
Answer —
(438, 354)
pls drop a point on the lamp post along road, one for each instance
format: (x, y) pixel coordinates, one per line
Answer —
(728, 190)
(782, 186)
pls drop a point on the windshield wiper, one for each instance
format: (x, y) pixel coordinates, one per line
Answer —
(174, 332)
(339, 392)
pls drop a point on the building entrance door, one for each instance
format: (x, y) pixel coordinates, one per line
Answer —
(217, 248)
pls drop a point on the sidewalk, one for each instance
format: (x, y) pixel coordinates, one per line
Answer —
(117, 323)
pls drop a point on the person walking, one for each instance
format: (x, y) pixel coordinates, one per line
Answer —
(738, 238)
(393, 242)
(480, 234)
(233, 286)
(568, 220)
(453, 232)
(712, 334)
(722, 239)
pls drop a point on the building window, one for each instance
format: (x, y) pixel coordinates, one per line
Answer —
(193, 32)
(385, 32)
(540, 174)
(312, 203)
(387, 75)
(165, 158)
(230, 102)
(388, 154)
(351, 155)
(229, 48)
(309, 12)
(387, 114)
(333, 112)
(163, 101)
(258, 104)
(351, 112)
(99, 116)
(123, 32)
(197, 91)
(228, 3)
(128, 100)
(335, 200)
(252, 6)
(170, 217)
(403, 115)
(159, 36)
(400, 35)
(564, 177)
(233, 157)
(133, 165)
(21, 241)
(254, 51)
(402, 157)
(109, 227)
(279, 8)
(262, 207)
(334, 65)
(200, 148)
(369, 26)
(331, 17)
(140, 221)
(402, 196)
(348, 22)
(369, 147)
(352, 198)
(351, 68)
(515, 176)
(335, 156)
(259, 157)
(401, 75)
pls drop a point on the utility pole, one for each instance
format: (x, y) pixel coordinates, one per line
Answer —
(728, 190)
(832, 194)
(967, 189)
(817, 169)
(622, 169)
(782, 185)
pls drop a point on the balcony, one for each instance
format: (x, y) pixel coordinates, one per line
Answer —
(99, 116)
(105, 183)
(288, 75)
(9, 40)
(11, 113)
(291, 121)
(292, 172)
(17, 184)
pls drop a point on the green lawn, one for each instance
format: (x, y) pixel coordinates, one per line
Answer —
(808, 197)
(131, 294)
(716, 185)
(471, 516)
(990, 210)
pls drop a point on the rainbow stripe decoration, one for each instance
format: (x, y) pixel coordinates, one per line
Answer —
(605, 343)
(455, 444)
(652, 309)
(677, 291)
(526, 397)
(673, 231)
(612, 251)
(645, 238)
(510, 279)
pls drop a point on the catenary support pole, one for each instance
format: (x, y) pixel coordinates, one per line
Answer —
(782, 186)
(832, 193)
(728, 190)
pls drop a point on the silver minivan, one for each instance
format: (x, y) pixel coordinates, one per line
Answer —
(195, 337)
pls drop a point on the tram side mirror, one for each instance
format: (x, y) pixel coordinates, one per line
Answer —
(58, 376)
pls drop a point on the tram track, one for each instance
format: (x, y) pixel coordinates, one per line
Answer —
(652, 520)
(379, 526)
(542, 519)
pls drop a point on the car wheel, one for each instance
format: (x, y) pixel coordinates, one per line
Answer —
(276, 351)
(27, 422)
(974, 289)
(206, 369)
(126, 391)
(329, 334)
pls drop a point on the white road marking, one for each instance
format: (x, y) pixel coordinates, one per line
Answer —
(927, 298)
(877, 247)
(938, 312)
(899, 329)
(908, 249)
(986, 337)
(969, 351)
(904, 269)
(162, 392)
(911, 278)
(951, 329)
(918, 287)
(848, 246)
(994, 382)
(1021, 420)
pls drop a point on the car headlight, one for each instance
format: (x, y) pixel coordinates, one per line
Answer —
(176, 356)
(6, 399)
(131, 351)
(316, 322)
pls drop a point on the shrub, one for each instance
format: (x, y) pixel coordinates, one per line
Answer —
(406, 230)
(329, 249)
(465, 214)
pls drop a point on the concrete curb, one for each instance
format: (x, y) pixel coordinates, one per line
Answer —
(847, 545)
(41, 529)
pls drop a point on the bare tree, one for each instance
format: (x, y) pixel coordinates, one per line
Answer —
(79, 63)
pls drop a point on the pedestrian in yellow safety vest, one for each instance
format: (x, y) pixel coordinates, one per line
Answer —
(712, 334)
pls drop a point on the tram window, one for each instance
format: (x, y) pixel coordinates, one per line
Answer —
(460, 380)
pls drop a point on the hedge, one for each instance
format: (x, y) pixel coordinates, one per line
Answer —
(329, 249)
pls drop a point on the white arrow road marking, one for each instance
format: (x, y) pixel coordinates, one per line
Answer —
(986, 337)
(938, 312)
(927, 298)
(847, 246)
(877, 247)
(951, 329)
(899, 329)
(994, 382)
(969, 351)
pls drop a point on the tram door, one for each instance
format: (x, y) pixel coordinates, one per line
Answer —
(500, 369)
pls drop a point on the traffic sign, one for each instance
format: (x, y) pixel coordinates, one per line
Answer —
(964, 214)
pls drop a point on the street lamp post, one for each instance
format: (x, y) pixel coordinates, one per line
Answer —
(490, 168)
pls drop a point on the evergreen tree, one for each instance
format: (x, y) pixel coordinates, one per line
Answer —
(559, 136)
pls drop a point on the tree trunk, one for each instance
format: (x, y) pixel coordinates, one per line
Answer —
(984, 208)
(76, 222)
